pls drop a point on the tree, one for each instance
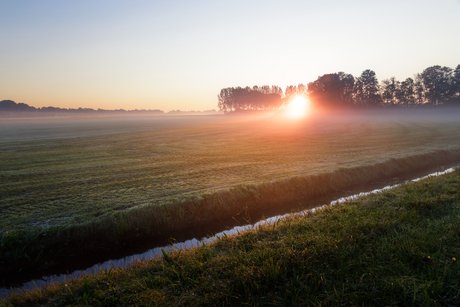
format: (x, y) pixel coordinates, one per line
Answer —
(291, 91)
(407, 91)
(347, 84)
(437, 82)
(225, 99)
(419, 90)
(332, 90)
(367, 89)
(388, 90)
(277, 90)
(456, 83)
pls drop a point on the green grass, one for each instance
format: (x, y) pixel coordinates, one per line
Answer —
(101, 180)
(396, 248)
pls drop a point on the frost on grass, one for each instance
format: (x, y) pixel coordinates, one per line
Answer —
(52, 222)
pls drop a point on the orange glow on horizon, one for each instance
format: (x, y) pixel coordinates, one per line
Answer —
(299, 107)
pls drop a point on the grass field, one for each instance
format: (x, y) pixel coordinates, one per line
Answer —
(396, 248)
(60, 174)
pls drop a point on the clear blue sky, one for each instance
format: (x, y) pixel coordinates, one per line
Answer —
(179, 54)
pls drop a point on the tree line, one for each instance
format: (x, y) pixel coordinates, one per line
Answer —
(11, 106)
(436, 85)
(255, 98)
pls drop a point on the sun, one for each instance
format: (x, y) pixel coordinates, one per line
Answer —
(298, 107)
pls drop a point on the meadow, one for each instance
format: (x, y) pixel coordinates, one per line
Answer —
(399, 247)
(80, 183)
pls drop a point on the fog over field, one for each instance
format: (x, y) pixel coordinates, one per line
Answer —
(129, 123)
(74, 170)
(96, 182)
(24, 129)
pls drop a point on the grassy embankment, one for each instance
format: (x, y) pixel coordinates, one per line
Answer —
(396, 248)
(84, 185)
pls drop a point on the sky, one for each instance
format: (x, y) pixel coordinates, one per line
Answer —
(171, 55)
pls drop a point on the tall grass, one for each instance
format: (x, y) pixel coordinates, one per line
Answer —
(184, 213)
(395, 248)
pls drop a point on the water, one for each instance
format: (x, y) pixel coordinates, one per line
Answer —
(187, 244)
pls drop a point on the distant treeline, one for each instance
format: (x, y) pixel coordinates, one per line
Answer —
(12, 108)
(436, 85)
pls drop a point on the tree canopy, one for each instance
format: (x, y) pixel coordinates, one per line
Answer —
(436, 85)
(255, 98)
